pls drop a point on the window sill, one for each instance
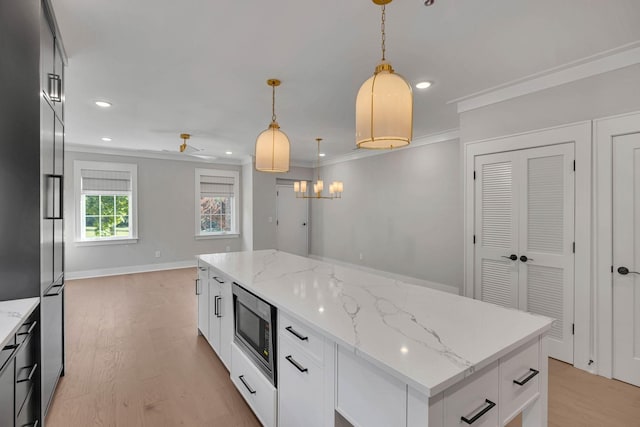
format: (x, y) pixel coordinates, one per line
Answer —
(126, 241)
(217, 236)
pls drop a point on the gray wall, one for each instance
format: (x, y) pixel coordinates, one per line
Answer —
(264, 204)
(608, 94)
(246, 194)
(166, 212)
(402, 210)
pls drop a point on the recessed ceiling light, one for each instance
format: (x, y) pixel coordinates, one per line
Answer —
(106, 139)
(228, 153)
(322, 154)
(103, 104)
(404, 350)
(423, 85)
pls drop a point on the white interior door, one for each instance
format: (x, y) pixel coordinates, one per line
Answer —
(292, 221)
(626, 258)
(546, 279)
(524, 227)
(496, 219)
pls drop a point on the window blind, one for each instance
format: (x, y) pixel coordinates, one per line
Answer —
(216, 186)
(105, 180)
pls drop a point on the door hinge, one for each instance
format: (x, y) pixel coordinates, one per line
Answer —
(474, 239)
(574, 247)
(574, 165)
(474, 175)
(573, 329)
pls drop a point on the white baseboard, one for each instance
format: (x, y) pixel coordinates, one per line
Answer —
(116, 271)
(406, 279)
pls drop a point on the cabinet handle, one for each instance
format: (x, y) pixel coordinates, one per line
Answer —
(252, 391)
(32, 325)
(197, 286)
(54, 191)
(54, 294)
(297, 334)
(55, 88)
(218, 306)
(486, 409)
(30, 376)
(202, 268)
(296, 364)
(33, 424)
(217, 279)
(10, 347)
(532, 373)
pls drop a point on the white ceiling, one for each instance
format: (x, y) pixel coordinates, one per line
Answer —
(200, 66)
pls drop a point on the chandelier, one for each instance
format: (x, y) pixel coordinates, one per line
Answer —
(335, 189)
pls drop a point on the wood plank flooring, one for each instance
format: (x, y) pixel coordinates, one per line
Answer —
(134, 359)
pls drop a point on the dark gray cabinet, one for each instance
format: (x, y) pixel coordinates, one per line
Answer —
(6, 388)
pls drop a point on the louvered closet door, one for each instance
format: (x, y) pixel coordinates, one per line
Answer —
(496, 225)
(546, 240)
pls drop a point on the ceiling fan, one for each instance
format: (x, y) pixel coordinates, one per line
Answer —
(190, 150)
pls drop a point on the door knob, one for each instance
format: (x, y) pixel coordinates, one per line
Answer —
(524, 258)
(624, 271)
(512, 257)
(304, 224)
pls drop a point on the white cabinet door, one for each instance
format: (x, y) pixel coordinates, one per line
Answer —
(226, 323)
(214, 316)
(626, 257)
(202, 291)
(524, 227)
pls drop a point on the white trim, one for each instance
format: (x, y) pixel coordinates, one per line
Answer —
(132, 168)
(603, 62)
(217, 236)
(581, 134)
(114, 241)
(235, 229)
(605, 130)
(405, 279)
(132, 269)
(447, 135)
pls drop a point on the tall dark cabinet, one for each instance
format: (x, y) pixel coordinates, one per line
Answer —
(31, 175)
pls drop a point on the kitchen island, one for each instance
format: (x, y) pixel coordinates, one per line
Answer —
(389, 353)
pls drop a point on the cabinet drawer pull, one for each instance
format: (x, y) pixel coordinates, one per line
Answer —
(202, 268)
(477, 416)
(31, 372)
(297, 334)
(296, 364)
(532, 373)
(252, 391)
(33, 424)
(218, 314)
(32, 325)
(217, 279)
(10, 347)
(60, 288)
(197, 286)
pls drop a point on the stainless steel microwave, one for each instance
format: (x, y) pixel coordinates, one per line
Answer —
(255, 330)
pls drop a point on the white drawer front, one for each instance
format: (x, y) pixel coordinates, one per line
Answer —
(300, 388)
(521, 367)
(305, 337)
(254, 387)
(472, 396)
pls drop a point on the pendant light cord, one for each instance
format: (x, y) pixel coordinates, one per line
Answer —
(273, 104)
(318, 161)
(384, 36)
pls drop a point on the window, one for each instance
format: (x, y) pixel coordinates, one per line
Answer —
(216, 202)
(106, 207)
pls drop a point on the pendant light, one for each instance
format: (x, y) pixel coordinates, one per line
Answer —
(272, 145)
(384, 106)
(335, 189)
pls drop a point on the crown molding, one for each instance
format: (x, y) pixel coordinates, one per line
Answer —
(91, 149)
(603, 62)
(448, 135)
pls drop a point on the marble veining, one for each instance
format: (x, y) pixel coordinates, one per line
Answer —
(12, 314)
(427, 338)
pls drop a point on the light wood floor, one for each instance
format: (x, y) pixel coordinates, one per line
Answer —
(134, 359)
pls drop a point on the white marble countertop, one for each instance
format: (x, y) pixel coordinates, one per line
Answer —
(427, 338)
(12, 314)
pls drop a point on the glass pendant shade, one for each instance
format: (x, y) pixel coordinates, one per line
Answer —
(272, 150)
(384, 111)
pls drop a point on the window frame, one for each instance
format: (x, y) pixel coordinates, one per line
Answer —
(79, 207)
(235, 204)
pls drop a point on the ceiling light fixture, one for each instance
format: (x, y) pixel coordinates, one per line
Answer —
(106, 139)
(384, 106)
(335, 189)
(103, 104)
(322, 154)
(228, 153)
(185, 137)
(423, 85)
(272, 145)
